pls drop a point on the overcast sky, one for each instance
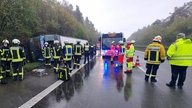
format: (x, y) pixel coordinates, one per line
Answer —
(126, 16)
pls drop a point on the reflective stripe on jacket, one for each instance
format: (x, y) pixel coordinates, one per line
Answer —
(154, 53)
(68, 53)
(56, 52)
(78, 49)
(16, 54)
(130, 51)
(47, 52)
(180, 53)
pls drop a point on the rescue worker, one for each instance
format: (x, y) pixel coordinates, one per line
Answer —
(112, 48)
(78, 49)
(5, 61)
(86, 52)
(56, 52)
(46, 51)
(17, 56)
(92, 51)
(68, 55)
(121, 53)
(180, 57)
(130, 49)
(155, 55)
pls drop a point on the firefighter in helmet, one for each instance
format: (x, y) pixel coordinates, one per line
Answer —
(86, 52)
(130, 50)
(17, 56)
(68, 55)
(56, 52)
(46, 51)
(5, 61)
(112, 48)
(77, 50)
(155, 55)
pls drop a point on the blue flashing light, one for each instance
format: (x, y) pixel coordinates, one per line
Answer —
(116, 51)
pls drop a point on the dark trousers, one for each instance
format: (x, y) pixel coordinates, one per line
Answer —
(178, 71)
(77, 59)
(86, 57)
(48, 61)
(151, 71)
(17, 70)
(56, 65)
(6, 67)
(68, 64)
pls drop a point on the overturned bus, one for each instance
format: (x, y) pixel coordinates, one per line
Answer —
(36, 44)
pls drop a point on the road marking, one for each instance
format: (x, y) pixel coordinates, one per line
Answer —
(143, 70)
(30, 103)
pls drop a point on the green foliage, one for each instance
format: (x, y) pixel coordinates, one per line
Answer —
(23, 19)
(180, 21)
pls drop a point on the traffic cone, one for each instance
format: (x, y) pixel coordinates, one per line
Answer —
(137, 62)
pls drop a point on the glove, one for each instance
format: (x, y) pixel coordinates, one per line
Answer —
(162, 61)
(145, 58)
(168, 58)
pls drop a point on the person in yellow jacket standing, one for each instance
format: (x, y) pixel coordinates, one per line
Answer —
(180, 57)
(68, 55)
(5, 61)
(17, 56)
(56, 55)
(46, 51)
(130, 49)
(155, 55)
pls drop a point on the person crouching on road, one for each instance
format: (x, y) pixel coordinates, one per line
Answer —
(56, 55)
(155, 55)
(67, 55)
(130, 50)
(46, 51)
(86, 52)
(5, 61)
(180, 57)
(64, 73)
(17, 55)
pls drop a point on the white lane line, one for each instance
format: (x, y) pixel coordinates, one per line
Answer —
(143, 70)
(48, 90)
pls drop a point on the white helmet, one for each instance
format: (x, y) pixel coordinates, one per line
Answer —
(120, 42)
(5, 41)
(56, 41)
(15, 41)
(132, 41)
(46, 43)
(157, 38)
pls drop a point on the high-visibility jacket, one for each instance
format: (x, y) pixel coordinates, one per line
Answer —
(154, 53)
(56, 51)
(130, 50)
(46, 52)
(180, 53)
(17, 54)
(78, 49)
(5, 53)
(86, 48)
(123, 49)
(68, 52)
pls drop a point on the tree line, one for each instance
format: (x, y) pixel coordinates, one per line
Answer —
(24, 19)
(179, 21)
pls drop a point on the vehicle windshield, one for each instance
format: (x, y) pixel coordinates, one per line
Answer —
(106, 42)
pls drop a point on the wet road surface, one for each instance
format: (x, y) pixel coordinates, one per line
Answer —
(102, 85)
(106, 86)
